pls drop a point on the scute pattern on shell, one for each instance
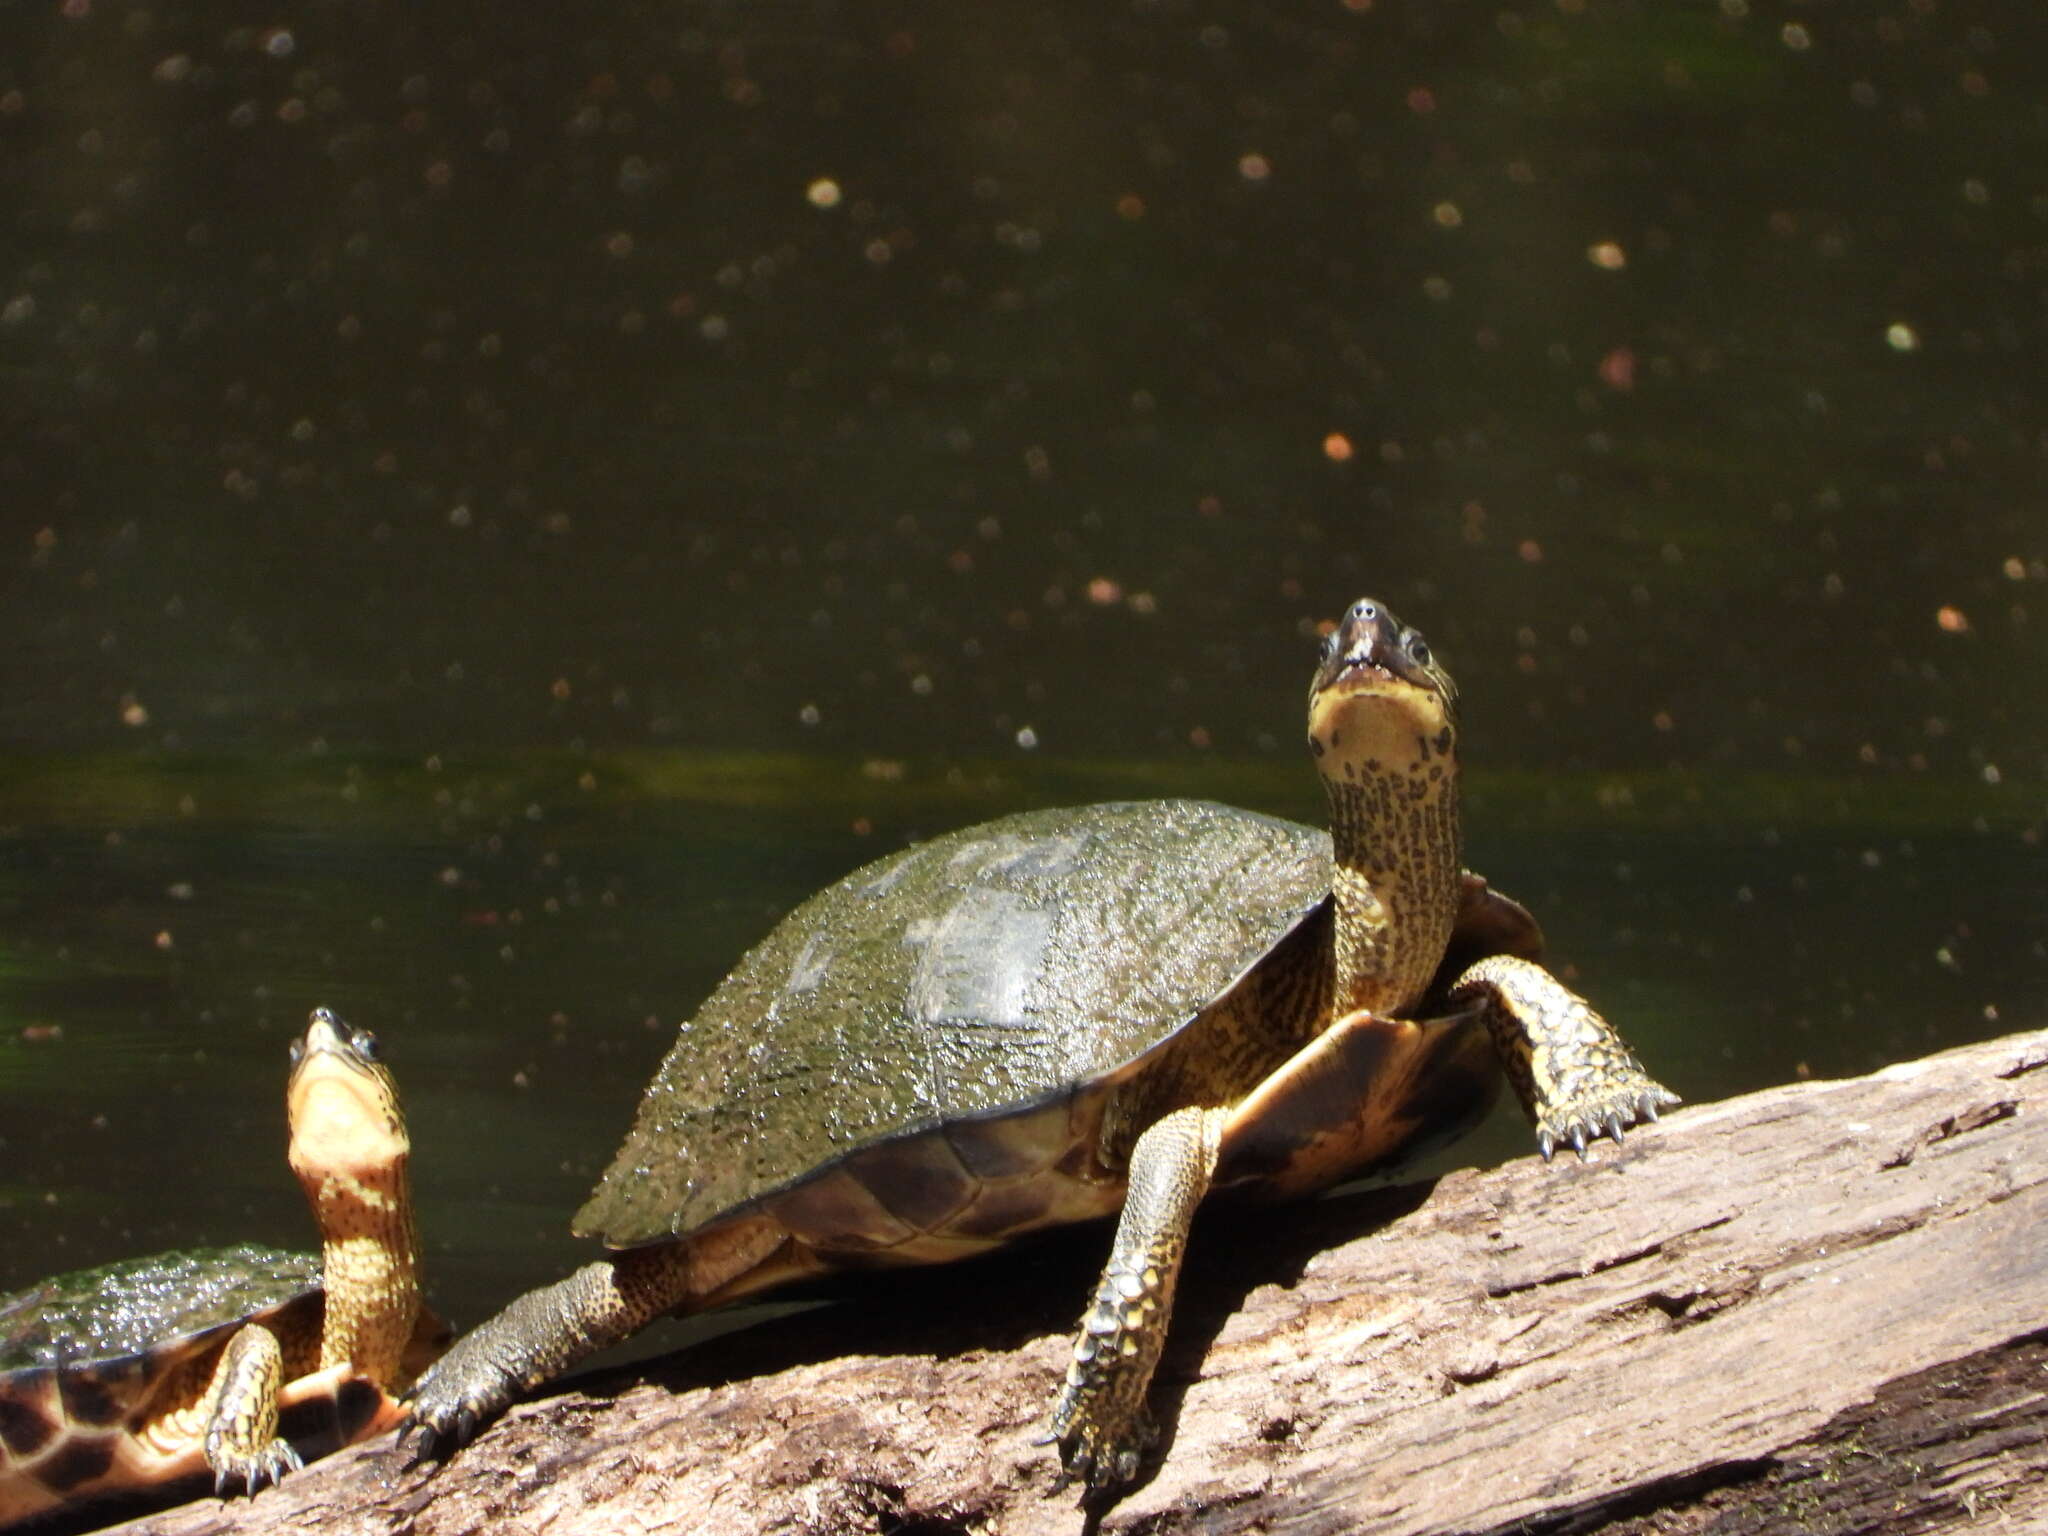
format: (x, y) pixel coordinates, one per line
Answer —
(975, 973)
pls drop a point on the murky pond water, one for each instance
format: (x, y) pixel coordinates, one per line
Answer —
(499, 507)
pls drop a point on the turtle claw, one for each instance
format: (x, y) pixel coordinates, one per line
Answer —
(283, 1459)
(261, 1469)
(423, 1447)
(1099, 1462)
(1597, 1115)
(438, 1441)
(447, 1408)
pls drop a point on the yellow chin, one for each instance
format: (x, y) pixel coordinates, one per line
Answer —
(1372, 717)
(341, 1124)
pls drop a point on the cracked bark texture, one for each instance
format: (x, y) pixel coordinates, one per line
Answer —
(1822, 1307)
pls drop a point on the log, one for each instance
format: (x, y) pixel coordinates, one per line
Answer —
(1819, 1307)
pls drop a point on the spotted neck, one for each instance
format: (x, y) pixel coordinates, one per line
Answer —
(370, 1268)
(350, 1150)
(1394, 820)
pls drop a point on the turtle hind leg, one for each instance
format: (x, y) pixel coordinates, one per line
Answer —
(242, 1444)
(1099, 1420)
(1576, 1077)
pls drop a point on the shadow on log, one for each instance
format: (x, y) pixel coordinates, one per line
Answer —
(1821, 1307)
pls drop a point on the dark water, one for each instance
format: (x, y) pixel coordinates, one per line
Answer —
(498, 505)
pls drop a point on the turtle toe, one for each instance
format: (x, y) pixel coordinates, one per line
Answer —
(251, 1471)
(452, 1402)
(1101, 1447)
(1606, 1105)
(436, 1433)
(279, 1459)
(1099, 1461)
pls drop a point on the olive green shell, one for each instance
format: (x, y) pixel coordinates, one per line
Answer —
(150, 1306)
(974, 975)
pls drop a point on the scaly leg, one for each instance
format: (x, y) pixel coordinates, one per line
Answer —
(1099, 1419)
(241, 1414)
(539, 1336)
(1575, 1076)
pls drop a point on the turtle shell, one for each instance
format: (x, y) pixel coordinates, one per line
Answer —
(120, 1310)
(967, 978)
(86, 1357)
(100, 1372)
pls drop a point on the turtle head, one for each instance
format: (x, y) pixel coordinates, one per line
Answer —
(1383, 725)
(348, 1135)
(1379, 696)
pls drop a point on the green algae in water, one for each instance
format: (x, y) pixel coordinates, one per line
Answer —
(377, 793)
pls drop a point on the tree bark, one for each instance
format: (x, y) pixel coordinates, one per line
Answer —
(1822, 1307)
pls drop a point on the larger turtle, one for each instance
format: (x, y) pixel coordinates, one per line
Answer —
(144, 1374)
(1064, 1014)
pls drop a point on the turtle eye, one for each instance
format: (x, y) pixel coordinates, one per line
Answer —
(298, 1052)
(1419, 649)
(1329, 645)
(364, 1044)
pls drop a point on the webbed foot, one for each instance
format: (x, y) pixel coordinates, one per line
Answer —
(1575, 1076)
(466, 1389)
(1607, 1105)
(534, 1339)
(253, 1468)
(1098, 1454)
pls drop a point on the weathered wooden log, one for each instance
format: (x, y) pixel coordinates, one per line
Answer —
(1820, 1307)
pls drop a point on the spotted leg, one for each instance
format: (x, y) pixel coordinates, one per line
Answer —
(538, 1336)
(242, 1443)
(1575, 1076)
(1099, 1420)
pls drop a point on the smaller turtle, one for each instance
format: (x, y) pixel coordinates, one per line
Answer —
(139, 1375)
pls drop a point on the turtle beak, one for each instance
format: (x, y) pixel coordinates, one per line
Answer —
(1371, 646)
(329, 1039)
(324, 1032)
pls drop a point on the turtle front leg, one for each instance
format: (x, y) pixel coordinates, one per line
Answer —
(242, 1443)
(1099, 1420)
(1575, 1076)
(537, 1337)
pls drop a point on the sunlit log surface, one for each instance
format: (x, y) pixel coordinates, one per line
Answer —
(1820, 1307)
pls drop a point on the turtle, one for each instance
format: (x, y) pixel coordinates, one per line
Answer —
(138, 1376)
(1079, 1013)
